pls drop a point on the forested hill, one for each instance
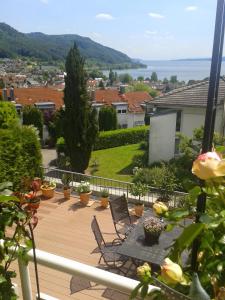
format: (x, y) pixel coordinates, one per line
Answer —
(55, 47)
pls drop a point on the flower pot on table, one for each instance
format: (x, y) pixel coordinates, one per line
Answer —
(48, 192)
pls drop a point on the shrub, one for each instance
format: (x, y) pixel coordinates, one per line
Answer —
(160, 177)
(120, 137)
(8, 114)
(60, 146)
(33, 116)
(55, 126)
(20, 155)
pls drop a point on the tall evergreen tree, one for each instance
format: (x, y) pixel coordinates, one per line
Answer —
(80, 123)
(107, 118)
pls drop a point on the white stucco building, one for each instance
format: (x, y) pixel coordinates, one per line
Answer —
(189, 104)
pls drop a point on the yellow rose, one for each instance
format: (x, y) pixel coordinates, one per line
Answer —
(171, 272)
(208, 165)
(144, 271)
(159, 208)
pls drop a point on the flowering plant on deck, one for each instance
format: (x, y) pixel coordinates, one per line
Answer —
(209, 283)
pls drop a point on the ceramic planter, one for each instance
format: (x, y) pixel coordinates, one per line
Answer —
(151, 238)
(48, 192)
(84, 198)
(138, 209)
(104, 202)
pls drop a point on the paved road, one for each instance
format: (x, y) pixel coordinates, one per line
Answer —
(47, 156)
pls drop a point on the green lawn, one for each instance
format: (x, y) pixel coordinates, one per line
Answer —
(115, 163)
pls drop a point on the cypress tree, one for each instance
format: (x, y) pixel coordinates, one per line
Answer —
(80, 123)
(107, 118)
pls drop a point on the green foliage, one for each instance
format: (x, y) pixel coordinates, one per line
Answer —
(101, 85)
(173, 79)
(190, 148)
(107, 118)
(55, 126)
(125, 78)
(55, 47)
(139, 189)
(60, 146)
(140, 78)
(154, 77)
(33, 116)
(120, 137)
(80, 124)
(14, 217)
(2, 85)
(8, 114)
(160, 177)
(141, 87)
(96, 74)
(20, 155)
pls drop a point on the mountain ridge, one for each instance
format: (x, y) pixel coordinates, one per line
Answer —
(49, 47)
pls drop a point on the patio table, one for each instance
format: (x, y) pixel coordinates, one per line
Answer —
(136, 248)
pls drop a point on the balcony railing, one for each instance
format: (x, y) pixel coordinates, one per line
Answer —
(105, 278)
(115, 187)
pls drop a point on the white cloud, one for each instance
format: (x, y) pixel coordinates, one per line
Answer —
(149, 32)
(191, 8)
(155, 15)
(104, 16)
(44, 1)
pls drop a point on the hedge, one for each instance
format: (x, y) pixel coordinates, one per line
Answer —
(120, 137)
(8, 114)
(20, 155)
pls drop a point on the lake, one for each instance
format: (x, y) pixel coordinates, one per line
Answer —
(185, 69)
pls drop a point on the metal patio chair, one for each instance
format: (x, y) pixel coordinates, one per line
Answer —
(108, 251)
(121, 217)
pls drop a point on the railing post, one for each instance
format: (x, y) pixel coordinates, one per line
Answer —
(25, 280)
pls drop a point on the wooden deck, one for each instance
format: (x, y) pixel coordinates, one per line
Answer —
(64, 229)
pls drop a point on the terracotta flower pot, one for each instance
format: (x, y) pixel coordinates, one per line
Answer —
(67, 192)
(138, 209)
(84, 198)
(104, 202)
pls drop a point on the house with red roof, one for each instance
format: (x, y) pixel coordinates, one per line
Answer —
(130, 107)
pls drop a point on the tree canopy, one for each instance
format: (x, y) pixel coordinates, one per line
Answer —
(80, 123)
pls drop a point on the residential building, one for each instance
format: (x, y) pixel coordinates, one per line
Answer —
(189, 103)
(130, 107)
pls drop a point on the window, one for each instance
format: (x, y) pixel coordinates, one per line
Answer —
(177, 144)
(178, 121)
(121, 111)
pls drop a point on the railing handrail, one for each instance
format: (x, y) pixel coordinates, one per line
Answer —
(68, 266)
(104, 178)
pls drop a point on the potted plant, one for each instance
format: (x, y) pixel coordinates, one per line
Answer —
(66, 180)
(104, 198)
(152, 229)
(48, 189)
(84, 191)
(139, 190)
(32, 201)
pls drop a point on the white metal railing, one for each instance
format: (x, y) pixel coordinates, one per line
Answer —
(105, 278)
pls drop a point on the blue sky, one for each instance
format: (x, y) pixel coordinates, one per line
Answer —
(148, 29)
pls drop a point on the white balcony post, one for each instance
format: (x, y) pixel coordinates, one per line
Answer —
(25, 280)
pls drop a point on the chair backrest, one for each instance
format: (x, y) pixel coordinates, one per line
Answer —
(97, 232)
(119, 209)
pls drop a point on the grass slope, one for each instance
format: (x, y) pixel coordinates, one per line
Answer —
(115, 163)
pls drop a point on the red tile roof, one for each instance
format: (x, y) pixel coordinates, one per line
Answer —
(133, 99)
(27, 96)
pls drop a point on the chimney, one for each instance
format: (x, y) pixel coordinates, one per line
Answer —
(4, 94)
(11, 94)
